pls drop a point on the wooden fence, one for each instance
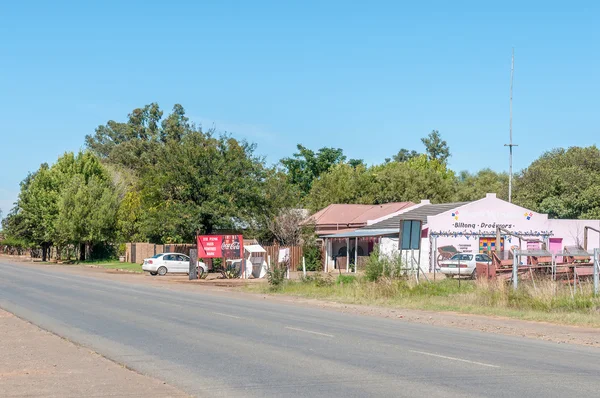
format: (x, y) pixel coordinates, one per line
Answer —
(137, 252)
(296, 254)
(342, 263)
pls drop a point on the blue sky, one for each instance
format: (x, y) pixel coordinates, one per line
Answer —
(369, 77)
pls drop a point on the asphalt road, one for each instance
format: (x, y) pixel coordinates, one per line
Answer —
(214, 345)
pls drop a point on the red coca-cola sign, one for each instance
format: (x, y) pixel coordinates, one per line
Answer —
(231, 247)
(220, 246)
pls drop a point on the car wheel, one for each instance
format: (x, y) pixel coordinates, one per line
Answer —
(474, 274)
(449, 276)
(162, 271)
(153, 273)
(200, 272)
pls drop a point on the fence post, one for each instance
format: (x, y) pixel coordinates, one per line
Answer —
(596, 267)
(303, 266)
(193, 264)
(515, 269)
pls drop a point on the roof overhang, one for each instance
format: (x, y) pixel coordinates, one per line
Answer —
(363, 233)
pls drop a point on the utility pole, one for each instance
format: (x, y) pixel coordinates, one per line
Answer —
(511, 145)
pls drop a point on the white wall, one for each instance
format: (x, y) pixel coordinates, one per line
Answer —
(389, 248)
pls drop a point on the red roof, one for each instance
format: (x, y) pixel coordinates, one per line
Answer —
(342, 217)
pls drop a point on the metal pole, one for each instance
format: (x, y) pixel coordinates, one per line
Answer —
(326, 265)
(596, 267)
(303, 266)
(515, 269)
(434, 257)
(347, 254)
(510, 145)
(459, 272)
(356, 255)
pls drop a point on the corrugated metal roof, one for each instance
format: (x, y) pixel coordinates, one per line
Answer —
(360, 233)
(347, 215)
(420, 213)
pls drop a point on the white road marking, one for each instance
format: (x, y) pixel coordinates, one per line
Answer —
(309, 331)
(454, 359)
(227, 315)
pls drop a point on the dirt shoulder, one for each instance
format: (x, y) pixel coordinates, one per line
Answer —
(36, 363)
(489, 324)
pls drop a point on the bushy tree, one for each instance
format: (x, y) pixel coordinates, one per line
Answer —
(435, 147)
(475, 186)
(305, 165)
(202, 183)
(412, 180)
(565, 183)
(404, 155)
(342, 184)
(419, 178)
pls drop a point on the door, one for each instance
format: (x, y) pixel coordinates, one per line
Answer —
(555, 247)
(184, 263)
(170, 261)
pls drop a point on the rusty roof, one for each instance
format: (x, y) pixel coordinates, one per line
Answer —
(343, 216)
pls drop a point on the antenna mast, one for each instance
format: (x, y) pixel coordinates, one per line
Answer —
(511, 145)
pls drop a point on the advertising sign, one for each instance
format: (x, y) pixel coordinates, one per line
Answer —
(232, 246)
(220, 246)
(209, 246)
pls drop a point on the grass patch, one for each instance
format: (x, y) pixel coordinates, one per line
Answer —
(545, 301)
(109, 264)
(119, 265)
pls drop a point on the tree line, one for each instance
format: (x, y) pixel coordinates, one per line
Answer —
(163, 179)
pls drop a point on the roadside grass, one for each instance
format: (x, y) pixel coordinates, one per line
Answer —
(119, 265)
(109, 264)
(545, 300)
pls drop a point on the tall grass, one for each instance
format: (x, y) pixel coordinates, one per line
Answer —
(545, 300)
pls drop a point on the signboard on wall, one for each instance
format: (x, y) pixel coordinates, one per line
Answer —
(220, 246)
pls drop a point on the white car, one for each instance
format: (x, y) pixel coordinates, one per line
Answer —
(164, 263)
(463, 264)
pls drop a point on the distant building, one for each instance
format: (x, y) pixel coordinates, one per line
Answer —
(346, 218)
(465, 227)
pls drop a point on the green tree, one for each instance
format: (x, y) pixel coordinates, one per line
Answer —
(404, 155)
(435, 147)
(305, 165)
(33, 218)
(130, 216)
(565, 183)
(87, 213)
(136, 143)
(413, 180)
(475, 186)
(203, 183)
(342, 184)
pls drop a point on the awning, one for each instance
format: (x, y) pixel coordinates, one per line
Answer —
(254, 249)
(364, 233)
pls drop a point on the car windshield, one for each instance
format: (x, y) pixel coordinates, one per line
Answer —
(157, 255)
(462, 257)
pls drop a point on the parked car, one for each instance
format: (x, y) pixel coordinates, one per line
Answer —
(164, 263)
(463, 264)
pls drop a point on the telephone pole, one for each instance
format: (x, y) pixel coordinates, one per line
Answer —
(510, 145)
